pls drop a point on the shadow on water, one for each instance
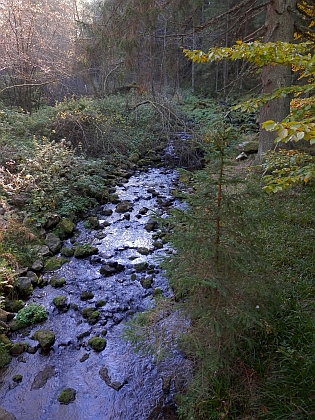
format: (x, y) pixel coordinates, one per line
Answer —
(116, 383)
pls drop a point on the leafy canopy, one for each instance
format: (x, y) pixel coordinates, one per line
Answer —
(300, 123)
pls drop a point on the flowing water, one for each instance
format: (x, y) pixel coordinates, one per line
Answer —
(116, 383)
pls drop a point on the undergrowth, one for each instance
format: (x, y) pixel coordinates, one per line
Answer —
(249, 295)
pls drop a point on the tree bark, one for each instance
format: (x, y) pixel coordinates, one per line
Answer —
(279, 27)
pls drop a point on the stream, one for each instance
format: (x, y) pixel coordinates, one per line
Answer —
(116, 383)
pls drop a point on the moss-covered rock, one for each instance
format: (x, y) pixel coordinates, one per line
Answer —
(86, 295)
(17, 378)
(91, 314)
(56, 283)
(123, 206)
(85, 250)
(24, 287)
(5, 357)
(146, 282)
(91, 223)
(14, 305)
(46, 338)
(54, 263)
(66, 252)
(17, 348)
(100, 303)
(143, 251)
(67, 395)
(61, 303)
(65, 228)
(97, 343)
(141, 267)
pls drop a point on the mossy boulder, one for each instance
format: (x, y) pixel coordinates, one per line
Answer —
(17, 348)
(5, 357)
(91, 223)
(146, 282)
(141, 267)
(91, 314)
(97, 343)
(143, 251)
(56, 283)
(67, 395)
(14, 305)
(84, 251)
(86, 295)
(123, 206)
(46, 338)
(24, 287)
(100, 303)
(61, 303)
(54, 263)
(65, 227)
(66, 252)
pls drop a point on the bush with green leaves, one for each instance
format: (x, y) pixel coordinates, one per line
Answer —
(31, 314)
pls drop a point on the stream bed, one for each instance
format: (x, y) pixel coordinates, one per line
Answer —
(124, 275)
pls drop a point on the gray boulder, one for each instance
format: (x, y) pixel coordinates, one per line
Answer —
(53, 243)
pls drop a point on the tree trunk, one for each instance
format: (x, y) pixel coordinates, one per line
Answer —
(279, 27)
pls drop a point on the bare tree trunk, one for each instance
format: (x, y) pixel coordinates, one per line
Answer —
(279, 27)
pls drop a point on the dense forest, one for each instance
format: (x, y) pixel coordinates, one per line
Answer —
(91, 91)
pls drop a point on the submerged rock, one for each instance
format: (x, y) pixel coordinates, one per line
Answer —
(42, 377)
(103, 372)
(5, 415)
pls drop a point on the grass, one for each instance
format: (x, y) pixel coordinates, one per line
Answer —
(252, 332)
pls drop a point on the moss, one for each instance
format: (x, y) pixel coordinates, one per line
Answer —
(67, 252)
(17, 378)
(67, 395)
(143, 251)
(60, 302)
(141, 267)
(53, 263)
(5, 357)
(91, 314)
(57, 282)
(97, 343)
(83, 251)
(100, 303)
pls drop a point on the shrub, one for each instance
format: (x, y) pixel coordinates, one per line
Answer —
(31, 314)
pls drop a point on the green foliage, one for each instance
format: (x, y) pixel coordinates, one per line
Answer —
(286, 168)
(252, 318)
(5, 357)
(31, 314)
